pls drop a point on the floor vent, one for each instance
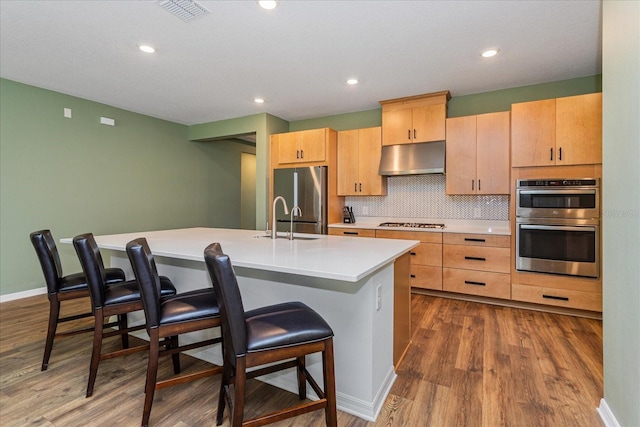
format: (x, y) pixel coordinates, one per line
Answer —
(183, 9)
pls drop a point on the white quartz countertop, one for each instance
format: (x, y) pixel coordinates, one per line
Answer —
(329, 257)
(451, 225)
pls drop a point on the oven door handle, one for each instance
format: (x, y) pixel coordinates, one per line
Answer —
(556, 227)
(557, 191)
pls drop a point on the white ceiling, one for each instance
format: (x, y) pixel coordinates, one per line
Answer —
(297, 56)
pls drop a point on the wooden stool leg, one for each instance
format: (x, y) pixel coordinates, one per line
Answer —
(302, 379)
(123, 324)
(237, 410)
(224, 390)
(97, 350)
(54, 313)
(152, 375)
(329, 384)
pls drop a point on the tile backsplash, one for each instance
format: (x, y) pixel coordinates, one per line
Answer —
(424, 196)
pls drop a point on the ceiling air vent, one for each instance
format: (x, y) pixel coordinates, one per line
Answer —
(183, 9)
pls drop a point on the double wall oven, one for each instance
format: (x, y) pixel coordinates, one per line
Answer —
(558, 226)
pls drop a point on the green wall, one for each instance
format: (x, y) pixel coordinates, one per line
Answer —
(75, 175)
(488, 102)
(621, 210)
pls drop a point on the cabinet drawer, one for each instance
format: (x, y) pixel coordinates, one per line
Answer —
(427, 254)
(591, 301)
(423, 236)
(487, 284)
(477, 240)
(476, 258)
(426, 277)
(352, 232)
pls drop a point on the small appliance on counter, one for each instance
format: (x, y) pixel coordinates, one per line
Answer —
(347, 215)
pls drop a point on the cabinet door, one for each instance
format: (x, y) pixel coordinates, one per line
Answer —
(461, 155)
(311, 145)
(579, 129)
(533, 133)
(348, 153)
(492, 153)
(429, 123)
(370, 150)
(288, 147)
(397, 127)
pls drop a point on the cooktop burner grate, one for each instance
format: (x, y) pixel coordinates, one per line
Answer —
(411, 225)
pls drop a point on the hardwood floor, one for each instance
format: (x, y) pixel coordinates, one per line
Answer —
(470, 364)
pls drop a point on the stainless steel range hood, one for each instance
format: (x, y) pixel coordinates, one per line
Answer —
(413, 159)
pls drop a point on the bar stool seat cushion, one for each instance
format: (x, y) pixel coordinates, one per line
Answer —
(188, 306)
(122, 293)
(78, 281)
(283, 325)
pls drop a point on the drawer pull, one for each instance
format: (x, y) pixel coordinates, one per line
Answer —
(475, 258)
(555, 297)
(469, 282)
(470, 239)
(413, 254)
(413, 276)
(354, 233)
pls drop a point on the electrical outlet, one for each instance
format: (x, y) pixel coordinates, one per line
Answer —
(477, 212)
(67, 113)
(378, 297)
(365, 210)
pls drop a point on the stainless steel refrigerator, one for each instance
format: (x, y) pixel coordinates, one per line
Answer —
(305, 187)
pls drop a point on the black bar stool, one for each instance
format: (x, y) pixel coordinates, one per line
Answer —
(167, 317)
(114, 300)
(283, 333)
(63, 288)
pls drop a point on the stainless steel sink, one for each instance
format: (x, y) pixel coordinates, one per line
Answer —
(284, 237)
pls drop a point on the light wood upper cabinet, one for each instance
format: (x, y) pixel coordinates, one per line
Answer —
(416, 119)
(358, 162)
(561, 131)
(301, 147)
(478, 154)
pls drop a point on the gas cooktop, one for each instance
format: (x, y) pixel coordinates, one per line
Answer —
(411, 225)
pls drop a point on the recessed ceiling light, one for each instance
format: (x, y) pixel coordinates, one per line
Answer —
(489, 53)
(352, 81)
(268, 4)
(259, 101)
(146, 48)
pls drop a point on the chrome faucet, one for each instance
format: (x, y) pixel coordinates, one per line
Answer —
(274, 233)
(295, 211)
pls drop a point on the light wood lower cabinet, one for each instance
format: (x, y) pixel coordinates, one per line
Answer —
(476, 264)
(568, 298)
(426, 258)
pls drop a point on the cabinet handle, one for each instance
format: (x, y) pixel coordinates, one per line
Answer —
(361, 187)
(413, 254)
(355, 186)
(297, 154)
(409, 134)
(550, 153)
(413, 276)
(473, 184)
(473, 239)
(479, 185)
(354, 233)
(555, 297)
(475, 258)
(415, 135)
(469, 282)
(302, 154)
(560, 153)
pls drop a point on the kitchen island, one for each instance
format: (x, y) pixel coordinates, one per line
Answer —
(348, 281)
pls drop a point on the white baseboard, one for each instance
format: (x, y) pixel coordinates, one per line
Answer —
(23, 294)
(606, 415)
